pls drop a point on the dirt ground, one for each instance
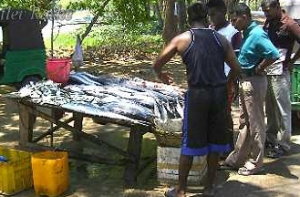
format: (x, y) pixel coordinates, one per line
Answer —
(90, 179)
(96, 180)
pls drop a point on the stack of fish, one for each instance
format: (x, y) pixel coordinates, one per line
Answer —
(131, 100)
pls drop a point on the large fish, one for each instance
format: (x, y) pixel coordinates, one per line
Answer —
(132, 100)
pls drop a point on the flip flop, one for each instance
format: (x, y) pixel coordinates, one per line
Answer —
(273, 154)
(225, 166)
(171, 193)
(246, 172)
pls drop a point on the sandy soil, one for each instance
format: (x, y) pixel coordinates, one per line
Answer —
(94, 180)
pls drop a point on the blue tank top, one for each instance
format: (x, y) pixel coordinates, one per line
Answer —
(204, 59)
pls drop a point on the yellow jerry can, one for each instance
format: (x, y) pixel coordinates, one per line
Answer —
(50, 173)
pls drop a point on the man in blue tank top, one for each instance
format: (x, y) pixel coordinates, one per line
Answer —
(204, 52)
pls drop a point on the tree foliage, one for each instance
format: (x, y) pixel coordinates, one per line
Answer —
(129, 12)
(91, 5)
(132, 12)
(40, 7)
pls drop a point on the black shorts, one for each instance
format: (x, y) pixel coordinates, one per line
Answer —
(205, 121)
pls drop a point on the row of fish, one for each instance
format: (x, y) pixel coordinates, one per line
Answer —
(129, 100)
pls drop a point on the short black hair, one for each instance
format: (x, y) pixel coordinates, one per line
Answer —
(216, 4)
(241, 9)
(270, 3)
(197, 12)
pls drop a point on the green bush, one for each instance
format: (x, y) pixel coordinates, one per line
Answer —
(114, 37)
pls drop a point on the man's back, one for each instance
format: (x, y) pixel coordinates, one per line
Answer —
(205, 58)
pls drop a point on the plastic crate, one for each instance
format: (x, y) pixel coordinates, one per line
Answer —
(16, 174)
(168, 139)
(295, 79)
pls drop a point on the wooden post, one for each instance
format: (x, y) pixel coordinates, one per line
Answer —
(78, 118)
(134, 149)
(26, 122)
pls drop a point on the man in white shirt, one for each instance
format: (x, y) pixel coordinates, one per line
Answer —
(217, 14)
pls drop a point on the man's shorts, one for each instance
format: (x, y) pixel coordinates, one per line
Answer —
(205, 122)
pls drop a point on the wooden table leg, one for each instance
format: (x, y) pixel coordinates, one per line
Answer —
(26, 122)
(134, 149)
(78, 118)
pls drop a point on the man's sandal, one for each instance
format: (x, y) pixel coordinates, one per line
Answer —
(225, 166)
(173, 193)
(246, 172)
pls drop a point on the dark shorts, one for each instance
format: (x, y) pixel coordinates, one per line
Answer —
(205, 121)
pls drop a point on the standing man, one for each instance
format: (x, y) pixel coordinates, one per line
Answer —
(217, 14)
(257, 53)
(204, 52)
(283, 32)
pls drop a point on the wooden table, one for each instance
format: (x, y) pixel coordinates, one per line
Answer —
(131, 157)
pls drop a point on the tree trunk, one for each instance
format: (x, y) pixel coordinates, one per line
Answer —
(94, 20)
(157, 11)
(189, 2)
(203, 1)
(147, 9)
(230, 5)
(182, 16)
(170, 25)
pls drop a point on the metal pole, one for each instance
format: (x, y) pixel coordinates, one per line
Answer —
(52, 27)
(51, 135)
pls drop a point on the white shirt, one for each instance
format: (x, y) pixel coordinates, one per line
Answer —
(228, 32)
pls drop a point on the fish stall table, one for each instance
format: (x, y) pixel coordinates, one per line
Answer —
(28, 112)
(137, 104)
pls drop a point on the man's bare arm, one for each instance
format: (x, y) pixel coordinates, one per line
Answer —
(177, 45)
(263, 65)
(294, 28)
(169, 52)
(165, 56)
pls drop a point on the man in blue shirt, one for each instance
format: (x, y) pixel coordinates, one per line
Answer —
(257, 53)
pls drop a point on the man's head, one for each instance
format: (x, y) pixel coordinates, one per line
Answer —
(197, 13)
(241, 16)
(271, 8)
(216, 11)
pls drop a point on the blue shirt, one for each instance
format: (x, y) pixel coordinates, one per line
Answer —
(256, 46)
